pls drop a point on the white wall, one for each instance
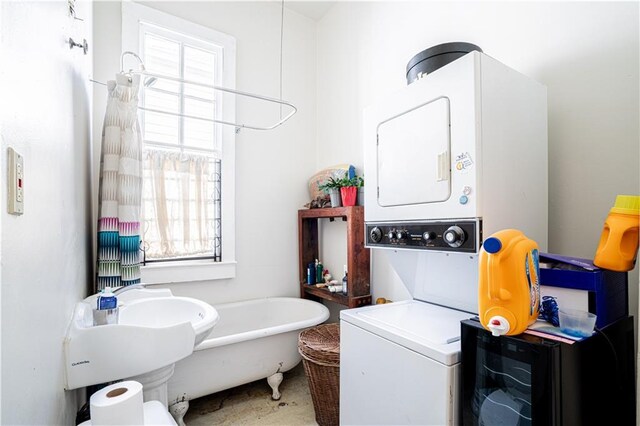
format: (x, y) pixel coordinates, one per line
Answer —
(271, 167)
(45, 252)
(586, 53)
(2, 196)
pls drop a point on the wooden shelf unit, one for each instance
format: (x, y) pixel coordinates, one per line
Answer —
(358, 288)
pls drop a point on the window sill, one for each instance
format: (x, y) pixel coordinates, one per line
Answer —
(187, 271)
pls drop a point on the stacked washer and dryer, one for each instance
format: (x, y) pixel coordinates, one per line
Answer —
(456, 155)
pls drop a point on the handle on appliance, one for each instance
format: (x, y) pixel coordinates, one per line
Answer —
(444, 169)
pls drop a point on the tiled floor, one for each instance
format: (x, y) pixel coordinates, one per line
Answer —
(251, 404)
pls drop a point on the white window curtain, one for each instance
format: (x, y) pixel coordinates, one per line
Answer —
(120, 187)
(178, 204)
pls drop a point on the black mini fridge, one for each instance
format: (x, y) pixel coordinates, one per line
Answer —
(529, 380)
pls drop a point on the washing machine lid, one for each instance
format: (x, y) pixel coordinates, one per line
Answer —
(431, 330)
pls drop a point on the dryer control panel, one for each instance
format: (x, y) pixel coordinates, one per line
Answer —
(450, 235)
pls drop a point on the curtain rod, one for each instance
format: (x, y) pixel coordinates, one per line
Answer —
(222, 89)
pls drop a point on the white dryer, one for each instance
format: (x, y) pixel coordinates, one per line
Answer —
(460, 153)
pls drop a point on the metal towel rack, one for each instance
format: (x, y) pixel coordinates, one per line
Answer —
(143, 72)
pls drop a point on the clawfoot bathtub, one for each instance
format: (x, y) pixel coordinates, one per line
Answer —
(254, 339)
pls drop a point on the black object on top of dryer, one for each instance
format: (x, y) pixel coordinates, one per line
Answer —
(436, 57)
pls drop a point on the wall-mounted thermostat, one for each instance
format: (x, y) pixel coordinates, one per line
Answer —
(15, 182)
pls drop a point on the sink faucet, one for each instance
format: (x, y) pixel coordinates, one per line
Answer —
(128, 287)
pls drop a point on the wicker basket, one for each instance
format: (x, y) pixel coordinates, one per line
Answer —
(320, 350)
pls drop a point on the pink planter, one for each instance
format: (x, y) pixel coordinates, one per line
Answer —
(348, 195)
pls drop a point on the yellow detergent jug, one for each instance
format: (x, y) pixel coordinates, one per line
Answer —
(509, 289)
(618, 247)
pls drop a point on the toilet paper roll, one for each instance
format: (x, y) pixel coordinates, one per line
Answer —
(118, 404)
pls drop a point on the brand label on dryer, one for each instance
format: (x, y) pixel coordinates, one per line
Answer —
(463, 162)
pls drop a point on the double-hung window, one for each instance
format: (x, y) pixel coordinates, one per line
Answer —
(187, 159)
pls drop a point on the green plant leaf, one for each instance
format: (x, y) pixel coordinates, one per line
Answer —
(345, 181)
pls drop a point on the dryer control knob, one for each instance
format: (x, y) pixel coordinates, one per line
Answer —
(401, 235)
(391, 235)
(375, 235)
(429, 236)
(454, 236)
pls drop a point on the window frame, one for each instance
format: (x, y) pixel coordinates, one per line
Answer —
(195, 43)
(195, 269)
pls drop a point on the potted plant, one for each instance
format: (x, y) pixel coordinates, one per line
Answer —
(332, 187)
(349, 189)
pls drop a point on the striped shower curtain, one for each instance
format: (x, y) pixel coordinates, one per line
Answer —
(120, 187)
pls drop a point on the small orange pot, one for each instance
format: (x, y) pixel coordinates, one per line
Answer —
(348, 195)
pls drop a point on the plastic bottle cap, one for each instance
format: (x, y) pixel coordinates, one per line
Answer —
(498, 325)
(627, 204)
(492, 245)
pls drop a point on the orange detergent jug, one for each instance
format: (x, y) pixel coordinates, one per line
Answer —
(618, 247)
(509, 289)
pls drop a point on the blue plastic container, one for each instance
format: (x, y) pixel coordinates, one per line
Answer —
(608, 292)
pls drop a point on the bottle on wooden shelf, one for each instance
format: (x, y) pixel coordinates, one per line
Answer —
(319, 269)
(311, 273)
(344, 281)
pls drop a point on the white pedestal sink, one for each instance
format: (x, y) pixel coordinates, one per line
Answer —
(155, 329)
(160, 308)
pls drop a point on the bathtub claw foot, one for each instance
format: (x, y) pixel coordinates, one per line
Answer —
(178, 410)
(274, 381)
